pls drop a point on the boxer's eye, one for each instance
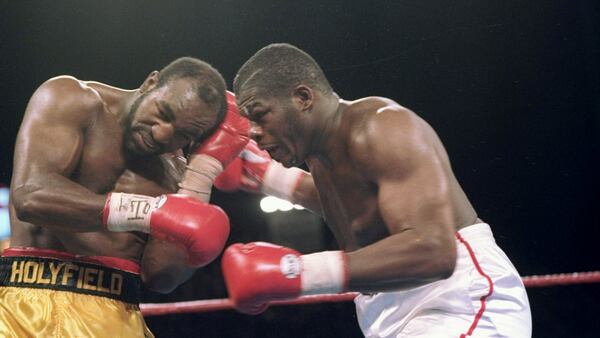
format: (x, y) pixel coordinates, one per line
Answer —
(257, 116)
(164, 116)
(165, 112)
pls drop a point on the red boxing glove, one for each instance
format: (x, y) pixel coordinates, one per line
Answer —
(230, 138)
(246, 172)
(255, 171)
(258, 273)
(200, 228)
(232, 178)
(214, 154)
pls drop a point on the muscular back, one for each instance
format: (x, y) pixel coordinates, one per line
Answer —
(388, 172)
(69, 151)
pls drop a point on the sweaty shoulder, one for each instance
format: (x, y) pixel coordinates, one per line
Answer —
(387, 136)
(64, 98)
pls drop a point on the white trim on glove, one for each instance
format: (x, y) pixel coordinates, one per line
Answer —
(130, 212)
(324, 272)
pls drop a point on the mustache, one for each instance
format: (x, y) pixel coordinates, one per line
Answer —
(141, 128)
(145, 132)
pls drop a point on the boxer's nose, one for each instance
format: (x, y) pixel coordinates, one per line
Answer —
(163, 132)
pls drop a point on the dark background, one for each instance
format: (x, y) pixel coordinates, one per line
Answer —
(512, 87)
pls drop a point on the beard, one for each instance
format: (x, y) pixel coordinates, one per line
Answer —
(129, 129)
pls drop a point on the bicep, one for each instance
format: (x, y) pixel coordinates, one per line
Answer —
(47, 148)
(417, 200)
(409, 170)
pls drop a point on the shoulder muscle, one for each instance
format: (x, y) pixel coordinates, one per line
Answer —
(50, 139)
(393, 141)
(64, 100)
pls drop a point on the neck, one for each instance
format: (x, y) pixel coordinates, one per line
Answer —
(117, 100)
(124, 103)
(329, 114)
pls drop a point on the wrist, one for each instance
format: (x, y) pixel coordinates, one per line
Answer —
(129, 212)
(280, 181)
(324, 272)
(201, 172)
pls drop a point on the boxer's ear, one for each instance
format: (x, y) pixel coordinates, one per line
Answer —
(150, 82)
(303, 96)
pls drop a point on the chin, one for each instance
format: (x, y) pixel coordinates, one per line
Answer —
(290, 161)
(132, 150)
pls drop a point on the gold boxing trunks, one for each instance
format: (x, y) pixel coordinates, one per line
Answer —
(49, 293)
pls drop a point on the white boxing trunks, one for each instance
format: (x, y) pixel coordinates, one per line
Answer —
(484, 297)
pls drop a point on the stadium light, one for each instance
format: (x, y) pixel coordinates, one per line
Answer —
(271, 204)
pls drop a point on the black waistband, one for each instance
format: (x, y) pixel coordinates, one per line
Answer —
(72, 276)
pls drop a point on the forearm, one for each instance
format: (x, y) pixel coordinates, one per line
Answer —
(258, 273)
(292, 184)
(164, 266)
(402, 261)
(58, 203)
(306, 194)
(133, 183)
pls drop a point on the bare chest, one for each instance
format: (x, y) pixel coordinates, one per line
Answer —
(349, 204)
(102, 160)
(101, 164)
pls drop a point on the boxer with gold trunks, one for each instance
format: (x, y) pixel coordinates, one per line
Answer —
(56, 289)
(101, 200)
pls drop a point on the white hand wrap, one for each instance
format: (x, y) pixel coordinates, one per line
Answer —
(324, 272)
(129, 212)
(199, 176)
(280, 181)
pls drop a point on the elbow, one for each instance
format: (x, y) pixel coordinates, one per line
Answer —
(160, 288)
(163, 280)
(160, 283)
(25, 204)
(441, 258)
(446, 267)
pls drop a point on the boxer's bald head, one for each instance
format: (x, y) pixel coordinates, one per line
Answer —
(207, 82)
(277, 69)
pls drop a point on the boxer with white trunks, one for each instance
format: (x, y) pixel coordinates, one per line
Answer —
(410, 240)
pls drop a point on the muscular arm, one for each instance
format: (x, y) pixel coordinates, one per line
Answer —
(48, 148)
(163, 264)
(255, 171)
(407, 163)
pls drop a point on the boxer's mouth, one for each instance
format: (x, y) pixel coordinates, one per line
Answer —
(267, 147)
(276, 153)
(270, 148)
(146, 143)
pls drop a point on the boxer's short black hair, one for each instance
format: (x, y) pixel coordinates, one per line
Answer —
(207, 81)
(280, 67)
